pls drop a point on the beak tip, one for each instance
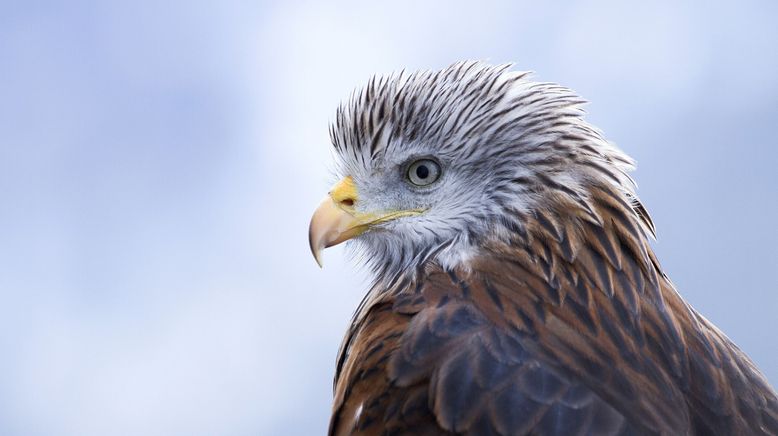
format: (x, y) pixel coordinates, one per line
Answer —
(316, 245)
(317, 257)
(316, 249)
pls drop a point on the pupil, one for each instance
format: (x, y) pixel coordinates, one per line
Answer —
(422, 171)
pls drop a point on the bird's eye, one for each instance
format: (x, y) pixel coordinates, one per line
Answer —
(423, 172)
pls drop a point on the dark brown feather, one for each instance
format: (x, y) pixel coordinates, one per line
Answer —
(570, 328)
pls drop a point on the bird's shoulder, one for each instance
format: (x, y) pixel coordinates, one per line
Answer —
(439, 360)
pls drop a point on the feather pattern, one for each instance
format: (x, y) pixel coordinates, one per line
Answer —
(559, 320)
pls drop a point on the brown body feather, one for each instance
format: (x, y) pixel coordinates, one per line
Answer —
(568, 327)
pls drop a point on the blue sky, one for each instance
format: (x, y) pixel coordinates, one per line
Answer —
(159, 162)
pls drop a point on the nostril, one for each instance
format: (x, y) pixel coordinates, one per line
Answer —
(347, 202)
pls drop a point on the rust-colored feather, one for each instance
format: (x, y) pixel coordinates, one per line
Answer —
(571, 328)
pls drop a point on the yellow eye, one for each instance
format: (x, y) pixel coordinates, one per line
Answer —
(423, 172)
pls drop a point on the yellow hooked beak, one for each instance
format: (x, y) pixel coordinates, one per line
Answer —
(336, 219)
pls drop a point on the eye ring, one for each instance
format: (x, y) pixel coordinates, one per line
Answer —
(423, 172)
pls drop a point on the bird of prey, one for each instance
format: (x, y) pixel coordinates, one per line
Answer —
(515, 288)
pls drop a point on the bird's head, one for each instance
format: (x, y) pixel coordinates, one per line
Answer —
(436, 164)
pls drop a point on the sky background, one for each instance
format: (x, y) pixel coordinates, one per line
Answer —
(159, 162)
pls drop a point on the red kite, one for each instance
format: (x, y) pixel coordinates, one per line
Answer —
(515, 288)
